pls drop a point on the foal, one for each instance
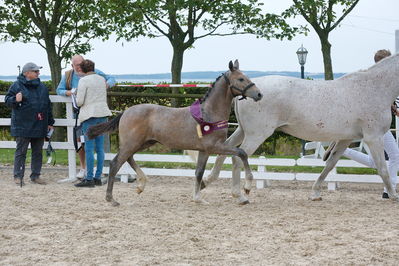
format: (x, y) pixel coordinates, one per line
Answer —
(143, 125)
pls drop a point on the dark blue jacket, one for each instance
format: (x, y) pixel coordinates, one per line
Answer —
(31, 117)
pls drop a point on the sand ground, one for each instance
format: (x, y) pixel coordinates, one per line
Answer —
(59, 224)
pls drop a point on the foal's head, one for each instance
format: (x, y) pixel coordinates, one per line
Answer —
(240, 84)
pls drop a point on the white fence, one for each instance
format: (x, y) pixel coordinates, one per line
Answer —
(261, 176)
(69, 122)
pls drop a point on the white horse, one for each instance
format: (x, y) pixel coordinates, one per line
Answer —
(354, 106)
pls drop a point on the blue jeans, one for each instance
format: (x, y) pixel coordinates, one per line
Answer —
(96, 144)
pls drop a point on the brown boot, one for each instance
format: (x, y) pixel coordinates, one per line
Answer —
(38, 181)
(19, 182)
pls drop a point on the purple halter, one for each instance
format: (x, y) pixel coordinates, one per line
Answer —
(206, 127)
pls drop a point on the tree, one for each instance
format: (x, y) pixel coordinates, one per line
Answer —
(61, 27)
(323, 18)
(185, 21)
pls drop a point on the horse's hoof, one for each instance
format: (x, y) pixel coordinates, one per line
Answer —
(315, 198)
(247, 191)
(244, 202)
(201, 201)
(139, 190)
(108, 198)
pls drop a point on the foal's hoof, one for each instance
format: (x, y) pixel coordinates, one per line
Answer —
(108, 198)
(115, 203)
(245, 202)
(139, 190)
(202, 186)
(247, 191)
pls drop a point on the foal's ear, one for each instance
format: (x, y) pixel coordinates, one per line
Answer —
(231, 67)
(236, 65)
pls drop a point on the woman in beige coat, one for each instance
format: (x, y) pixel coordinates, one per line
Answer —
(92, 100)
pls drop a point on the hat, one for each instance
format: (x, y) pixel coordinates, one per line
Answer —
(30, 67)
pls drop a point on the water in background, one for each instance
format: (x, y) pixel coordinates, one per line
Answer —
(155, 81)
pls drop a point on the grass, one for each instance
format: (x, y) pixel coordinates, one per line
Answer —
(61, 157)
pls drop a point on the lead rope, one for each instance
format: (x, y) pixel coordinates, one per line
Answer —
(49, 152)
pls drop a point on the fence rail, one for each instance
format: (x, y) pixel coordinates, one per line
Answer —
(261, 175)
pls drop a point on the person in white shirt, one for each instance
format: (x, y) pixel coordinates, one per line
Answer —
(92, 99)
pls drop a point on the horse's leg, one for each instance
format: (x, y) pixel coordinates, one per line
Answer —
(249, 146)
(332, 160)
(234, 140)
(115, 165)
(141, 176)
(377, 152)
(199, 172)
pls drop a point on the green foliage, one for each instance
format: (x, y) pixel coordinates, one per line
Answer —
(68, 24)
(184, 22)
(61, 27)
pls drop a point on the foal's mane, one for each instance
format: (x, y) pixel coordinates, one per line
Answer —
(211, 87)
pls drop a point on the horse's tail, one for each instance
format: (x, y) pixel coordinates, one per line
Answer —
(102, 128)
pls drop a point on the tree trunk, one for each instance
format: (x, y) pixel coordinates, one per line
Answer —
(326, 51)
(177, 65)
(55, 68)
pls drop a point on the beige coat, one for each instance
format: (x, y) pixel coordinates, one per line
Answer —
(92, 97)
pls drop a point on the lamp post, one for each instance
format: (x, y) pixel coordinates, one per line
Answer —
(302, 53)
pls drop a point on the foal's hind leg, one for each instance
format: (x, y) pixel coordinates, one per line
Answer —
(199, 172)
(249, 146)
(141, 177)
(115, 165)
(332, 160)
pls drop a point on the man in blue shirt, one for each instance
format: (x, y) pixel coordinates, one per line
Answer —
(70, 81)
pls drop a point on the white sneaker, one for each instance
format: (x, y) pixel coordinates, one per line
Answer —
(81, 174)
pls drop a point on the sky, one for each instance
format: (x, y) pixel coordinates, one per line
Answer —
(369, 27)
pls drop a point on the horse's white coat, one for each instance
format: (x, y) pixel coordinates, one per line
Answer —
(354, 106)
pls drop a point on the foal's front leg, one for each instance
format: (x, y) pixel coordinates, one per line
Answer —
(234, 140)
(199, 172)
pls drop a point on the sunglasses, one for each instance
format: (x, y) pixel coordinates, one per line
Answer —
(36, 71)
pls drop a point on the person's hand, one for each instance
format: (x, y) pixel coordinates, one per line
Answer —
(68, 93)
(50, 127)
(18, 97)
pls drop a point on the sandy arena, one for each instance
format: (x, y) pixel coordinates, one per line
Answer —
(59, 224)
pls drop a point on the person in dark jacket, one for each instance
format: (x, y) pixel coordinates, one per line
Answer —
(31, 119)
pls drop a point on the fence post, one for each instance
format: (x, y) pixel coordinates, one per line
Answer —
(262, 183)
(71, 153)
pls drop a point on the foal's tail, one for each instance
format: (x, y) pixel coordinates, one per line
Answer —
(102, 128)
